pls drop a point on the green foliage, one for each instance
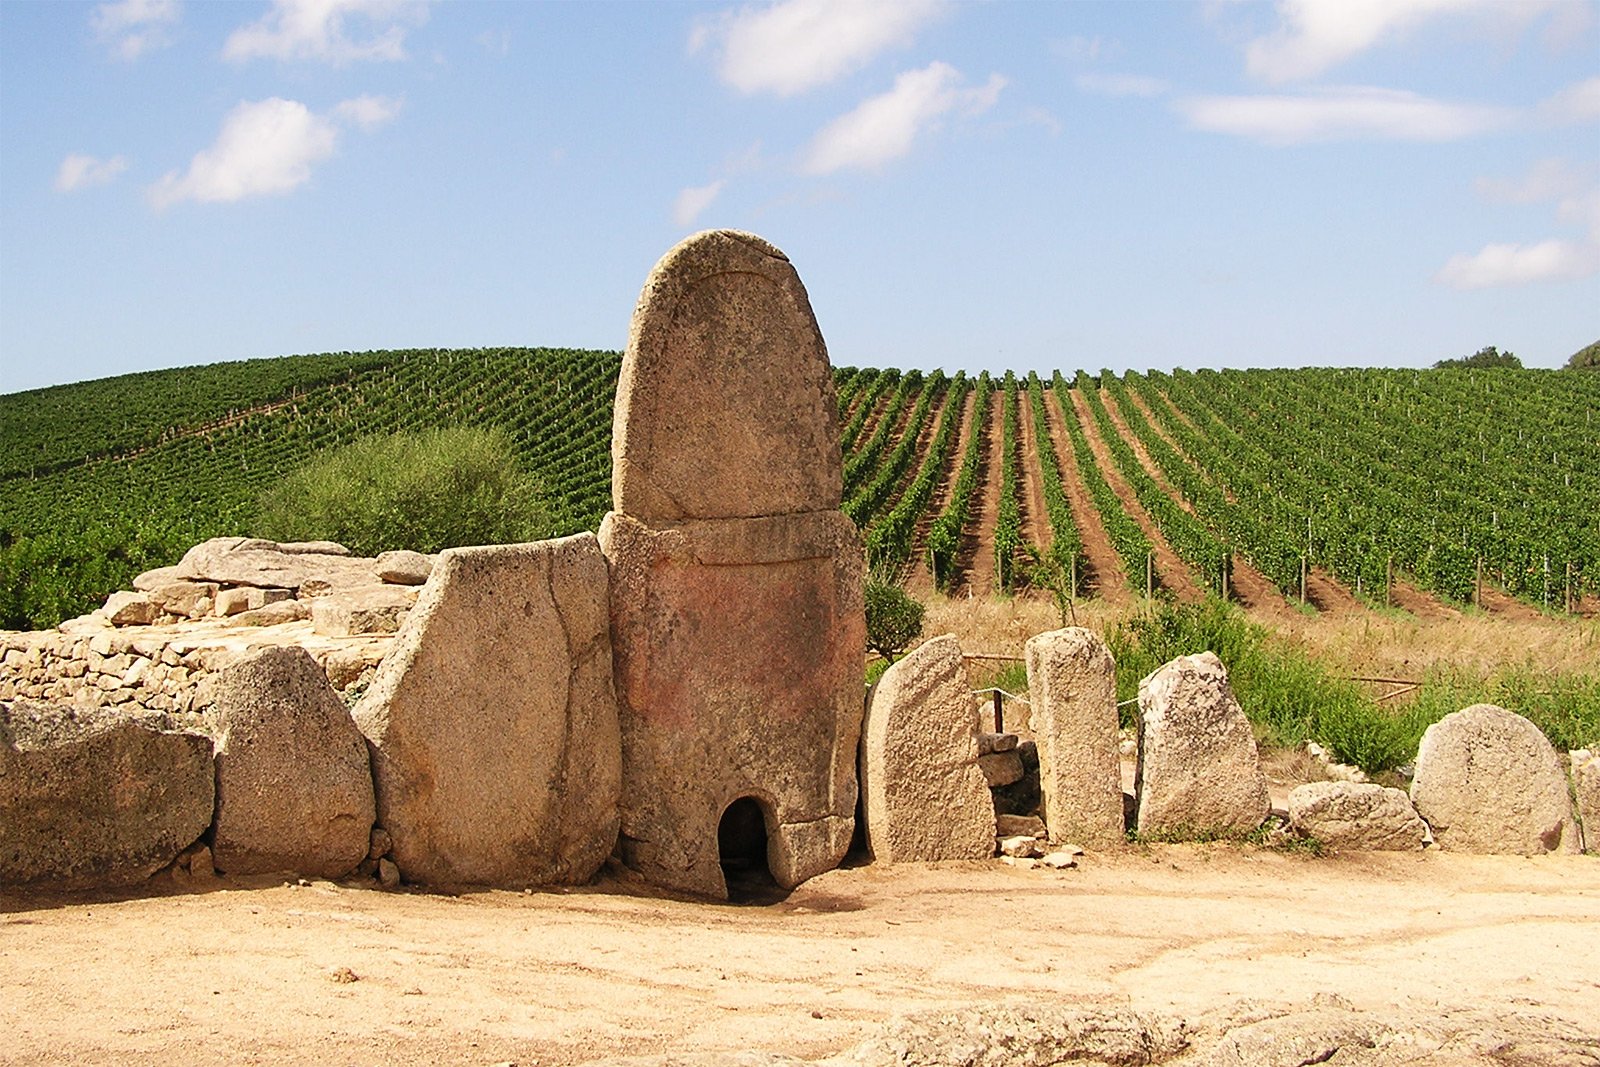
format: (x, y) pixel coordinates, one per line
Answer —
(1008, 523)
(889, 539)
(1483, 357)
(944, 536)
(1133, 547)
(423, 491)
(1585, 358)
(1060, 568)
(894, 618)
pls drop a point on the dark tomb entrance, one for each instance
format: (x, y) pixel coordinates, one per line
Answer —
(742, 847)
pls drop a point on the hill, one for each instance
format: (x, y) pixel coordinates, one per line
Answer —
(1328, 487)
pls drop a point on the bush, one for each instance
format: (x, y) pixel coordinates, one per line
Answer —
(894, 619)
(424, 491)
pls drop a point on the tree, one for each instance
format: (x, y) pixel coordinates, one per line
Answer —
(1586, 358)
(424, 491)
(1483, 357)
(1047, 571)
(894, 619)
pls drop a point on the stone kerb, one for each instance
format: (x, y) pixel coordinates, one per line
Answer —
(1488, 780)
(95, 798)
(736, 607)
(294, 783)
(1199, 773)
(493, 723)
(923, 796)
(1073, 686)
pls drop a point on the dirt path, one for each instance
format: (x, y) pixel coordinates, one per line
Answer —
(975, 557)
(1030, 497)
(919, 579)
(1171, 572)
(1104, 578)
(322, 974)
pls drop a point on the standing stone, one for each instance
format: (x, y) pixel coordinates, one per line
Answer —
(97, 798)
(923, 794)
(492, 722)
(736, 607)
(1072, 685)
(1199, 773)
(1488, 780)
(1586, 787)
(1361, 816)
(294, 785)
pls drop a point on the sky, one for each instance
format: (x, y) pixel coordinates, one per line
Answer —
(960, 185)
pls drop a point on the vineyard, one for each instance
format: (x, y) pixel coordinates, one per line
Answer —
(1327, 489)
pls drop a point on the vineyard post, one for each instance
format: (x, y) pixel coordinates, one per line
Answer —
(1224, 581)
(1567, 588)
(1302, 581)
(1075, 575)
(1388, 583)
(1477, 586)
(1149, 575)
(1547, 582)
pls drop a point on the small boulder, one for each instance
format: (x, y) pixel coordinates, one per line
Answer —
(377, 609)
(152, 580)
(402, 567)
(1586, 786)
(252, 561)
(1489, 781)
(274, 614)
(124, 608)
(1001, 768)
(192, 600)
(92, 798)
(1199, 772)
(247, 598)
(923, 794)
(1356, 816)
(1015, 825)
(294, 783)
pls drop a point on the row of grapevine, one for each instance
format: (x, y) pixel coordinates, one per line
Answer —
(862, 463)
(944, 536)
(889, 540)
(1132, 546)
(880, 383)
(863, 507)
(1008, 523)
(1066, 544)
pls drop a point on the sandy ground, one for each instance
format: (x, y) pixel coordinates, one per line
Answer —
(328, 974)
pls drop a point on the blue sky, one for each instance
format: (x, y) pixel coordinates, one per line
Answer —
(965, 185)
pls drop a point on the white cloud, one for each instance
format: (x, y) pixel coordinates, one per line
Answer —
(1548, 179)
(318, 30)
(1315, 35)
(1120, 84)
(80, 171)
(1516, 264)
(133, 27)
(795, 45)
(1342, 114)
(267, 148)
(694, 200)
(1575, 103)
(883, 128)
(368, 112)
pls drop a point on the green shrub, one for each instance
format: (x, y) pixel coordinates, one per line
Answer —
(424, 491)
(894, 619)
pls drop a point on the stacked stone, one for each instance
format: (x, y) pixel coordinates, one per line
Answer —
(104, 670)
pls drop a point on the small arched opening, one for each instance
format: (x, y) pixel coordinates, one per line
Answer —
(742, 847)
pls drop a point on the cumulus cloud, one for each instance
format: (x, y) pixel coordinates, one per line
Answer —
(1314, 36)
(1120, 84)
(1342, 114)
(884, 127)
(694, 200)
(1577, 201)
(330, 31)
(80, 171)
(795, 45)
(266, 148)
(130, 28)
(1575, 103)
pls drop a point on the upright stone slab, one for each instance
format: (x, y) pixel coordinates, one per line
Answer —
(924, 797)
(294, 783)
(1199, 771)
(1585, 767)
(1488, 780)
(93, 798)
(736, 601)
(493, 724)
(1072, 686)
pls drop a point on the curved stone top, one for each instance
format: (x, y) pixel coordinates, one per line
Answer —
(725, 405)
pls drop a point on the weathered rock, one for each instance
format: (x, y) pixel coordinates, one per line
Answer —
(1022, 846)
(1356, 816)
(402, 567)
(924, 797)
(1488, 780)
(152, 580)
(1073, 689)
(493, 723)
(989, 743)
(1060, 860)
(191, 599)
(247, 598)
(294, 787)
(92, 798)
(736, 582)
(1014, 825)
(251, 561)
(375, 609)
(1586, 791)
(274, 614)
(316, 548)
(1029, 1034)
(123, 608)
(1199, 773)
(1000, 768)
